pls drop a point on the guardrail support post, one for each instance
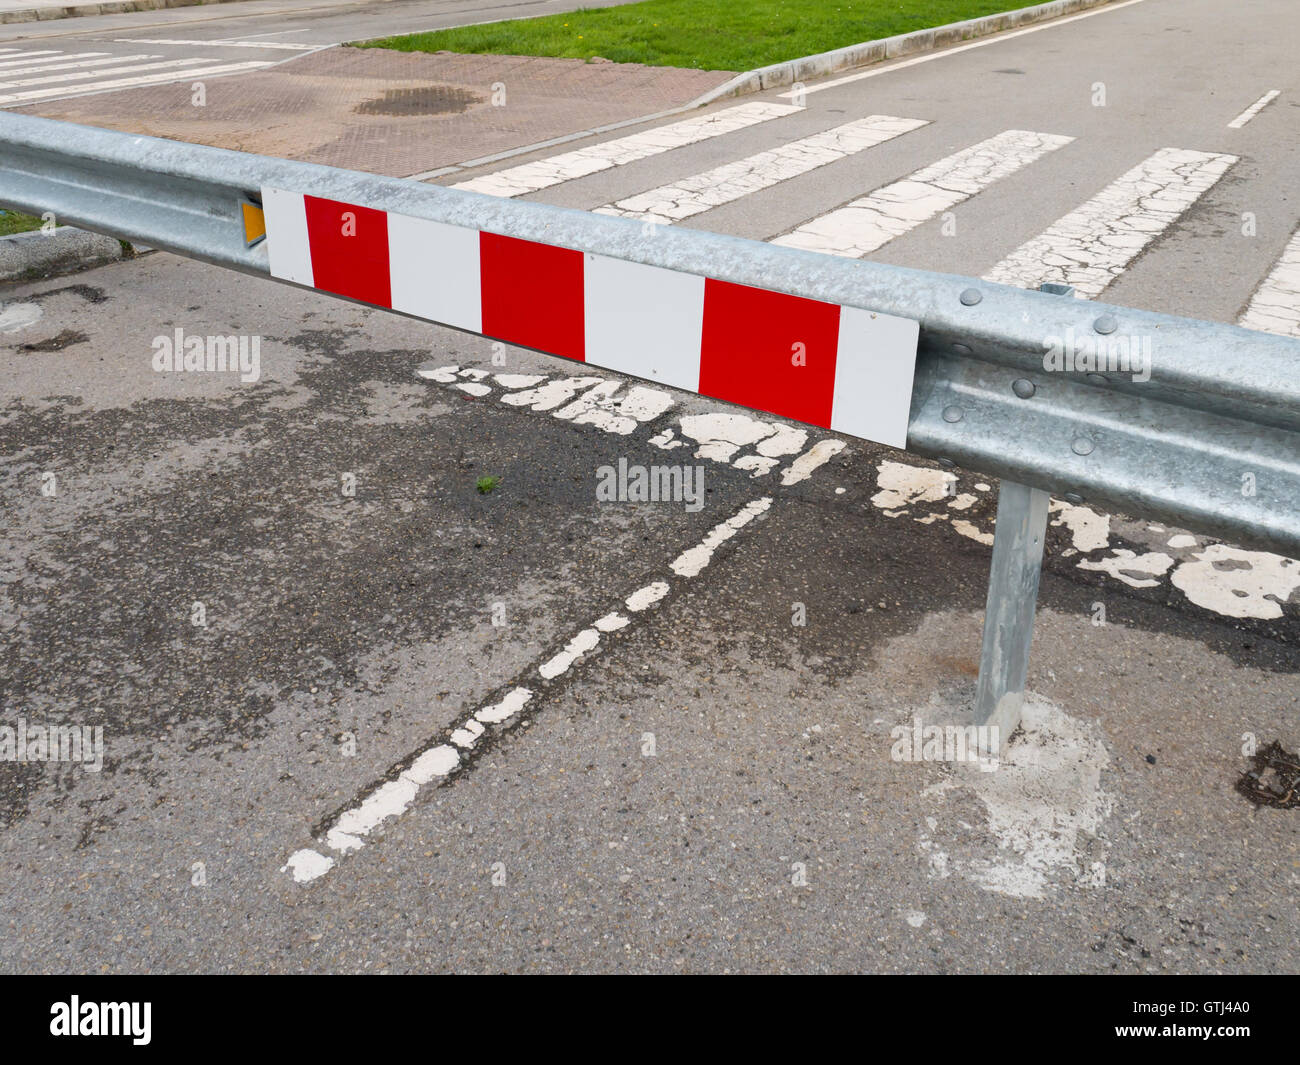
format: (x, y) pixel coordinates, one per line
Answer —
(1009, 614)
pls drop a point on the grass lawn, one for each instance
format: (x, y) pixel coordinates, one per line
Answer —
(703, 34)
(15, 222)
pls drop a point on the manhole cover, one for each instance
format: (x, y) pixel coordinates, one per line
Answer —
(1275, 780)
(426, 100)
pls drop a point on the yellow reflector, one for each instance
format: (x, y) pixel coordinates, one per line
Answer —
(254, 223)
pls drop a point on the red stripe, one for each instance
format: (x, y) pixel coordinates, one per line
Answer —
(532, 295)
(349, 250)
(749, 348)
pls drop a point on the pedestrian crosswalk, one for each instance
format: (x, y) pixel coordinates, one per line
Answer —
(35, 75)
(1145, 197)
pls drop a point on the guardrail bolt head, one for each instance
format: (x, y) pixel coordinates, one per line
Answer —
(1073, 497)
(961, 349)
(946, 462)
(953, 413)
(1082, 445)
(1022, 388)
(1105, 324)
(971, 296)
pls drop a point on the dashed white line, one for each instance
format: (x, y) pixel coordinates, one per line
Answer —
(1089, 247)
(222, 44)
(1275, 307)
(859, 228)
(1254, 108)
(555, 169)
(723, 184)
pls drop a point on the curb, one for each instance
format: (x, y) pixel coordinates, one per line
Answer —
(114, 7)
(33, 255)
(905, 44)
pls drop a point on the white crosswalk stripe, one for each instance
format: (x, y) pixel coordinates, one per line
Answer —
(723, 184)
(864, 225)
(49, 74)
(544, 173)
(1275, 307)
(1091, 246)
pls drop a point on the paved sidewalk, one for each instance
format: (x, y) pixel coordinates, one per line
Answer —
(393, 113)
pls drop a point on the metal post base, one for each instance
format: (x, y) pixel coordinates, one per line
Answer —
(1009, 615)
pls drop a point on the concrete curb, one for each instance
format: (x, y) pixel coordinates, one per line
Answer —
(905, 44)
(113, 7)
(28, 256)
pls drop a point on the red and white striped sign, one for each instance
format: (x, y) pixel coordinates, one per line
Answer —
(841, 368)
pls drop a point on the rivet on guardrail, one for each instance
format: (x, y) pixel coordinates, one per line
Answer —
(946, 462)
(1073, 497)
(953, 413)
(961, 349)
(1022, 388)
(1081, 445)
(971, 296)
(1099, 378)
(1105, 324)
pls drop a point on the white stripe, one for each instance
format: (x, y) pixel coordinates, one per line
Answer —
(433, 271)
(67, 76)
(723, 184)
(70, 66)
(127, 83)
(993, 39)
(644, 321)
(1275, 307)
(873, 378)
(50, 57)
(543, 173)
(288, 249)
(1089, 247)
(1254, 108)
(220, 44)
(859, 228)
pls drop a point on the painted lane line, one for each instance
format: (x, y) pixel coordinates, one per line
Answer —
(56, 53)
(1089, 247)
(130, 68)
(54, 62)
(860, 227)
(723, 184)
(1254, 108)
(129, 83)
(838, 367)
(222, 44)
(1275, 307)
(996, 39)
(70, 66)
(435, 764)
(543, 173)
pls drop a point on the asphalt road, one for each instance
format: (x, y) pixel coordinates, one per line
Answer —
(277, 596)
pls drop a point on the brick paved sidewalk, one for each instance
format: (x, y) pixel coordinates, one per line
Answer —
(393, 113)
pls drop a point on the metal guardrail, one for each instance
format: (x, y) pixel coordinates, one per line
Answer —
(1211, 441)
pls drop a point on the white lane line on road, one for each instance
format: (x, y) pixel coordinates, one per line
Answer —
(129, 83)
(731, 181)
(68, 77)
(860, 227)
(995, 39)
(284, 46)
(1089, 247)
(80, 65)
(555, 169)
(1255, 108)
(22, 62)
(1275, 307)
(436, 763)
(50, 52)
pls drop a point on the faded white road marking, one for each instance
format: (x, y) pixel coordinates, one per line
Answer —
(818, 455)
(1275, 307)
(1254, 108)
(133, 67)
(1091, 246)
(223, 44)
(1137, 571)
(860, 227)
(436, 763)
(556, 169)
(731, 181)
(62, 62)
(128, 83)
(16, 316)
(930, 56)
(29, 55)
(1237, 583)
